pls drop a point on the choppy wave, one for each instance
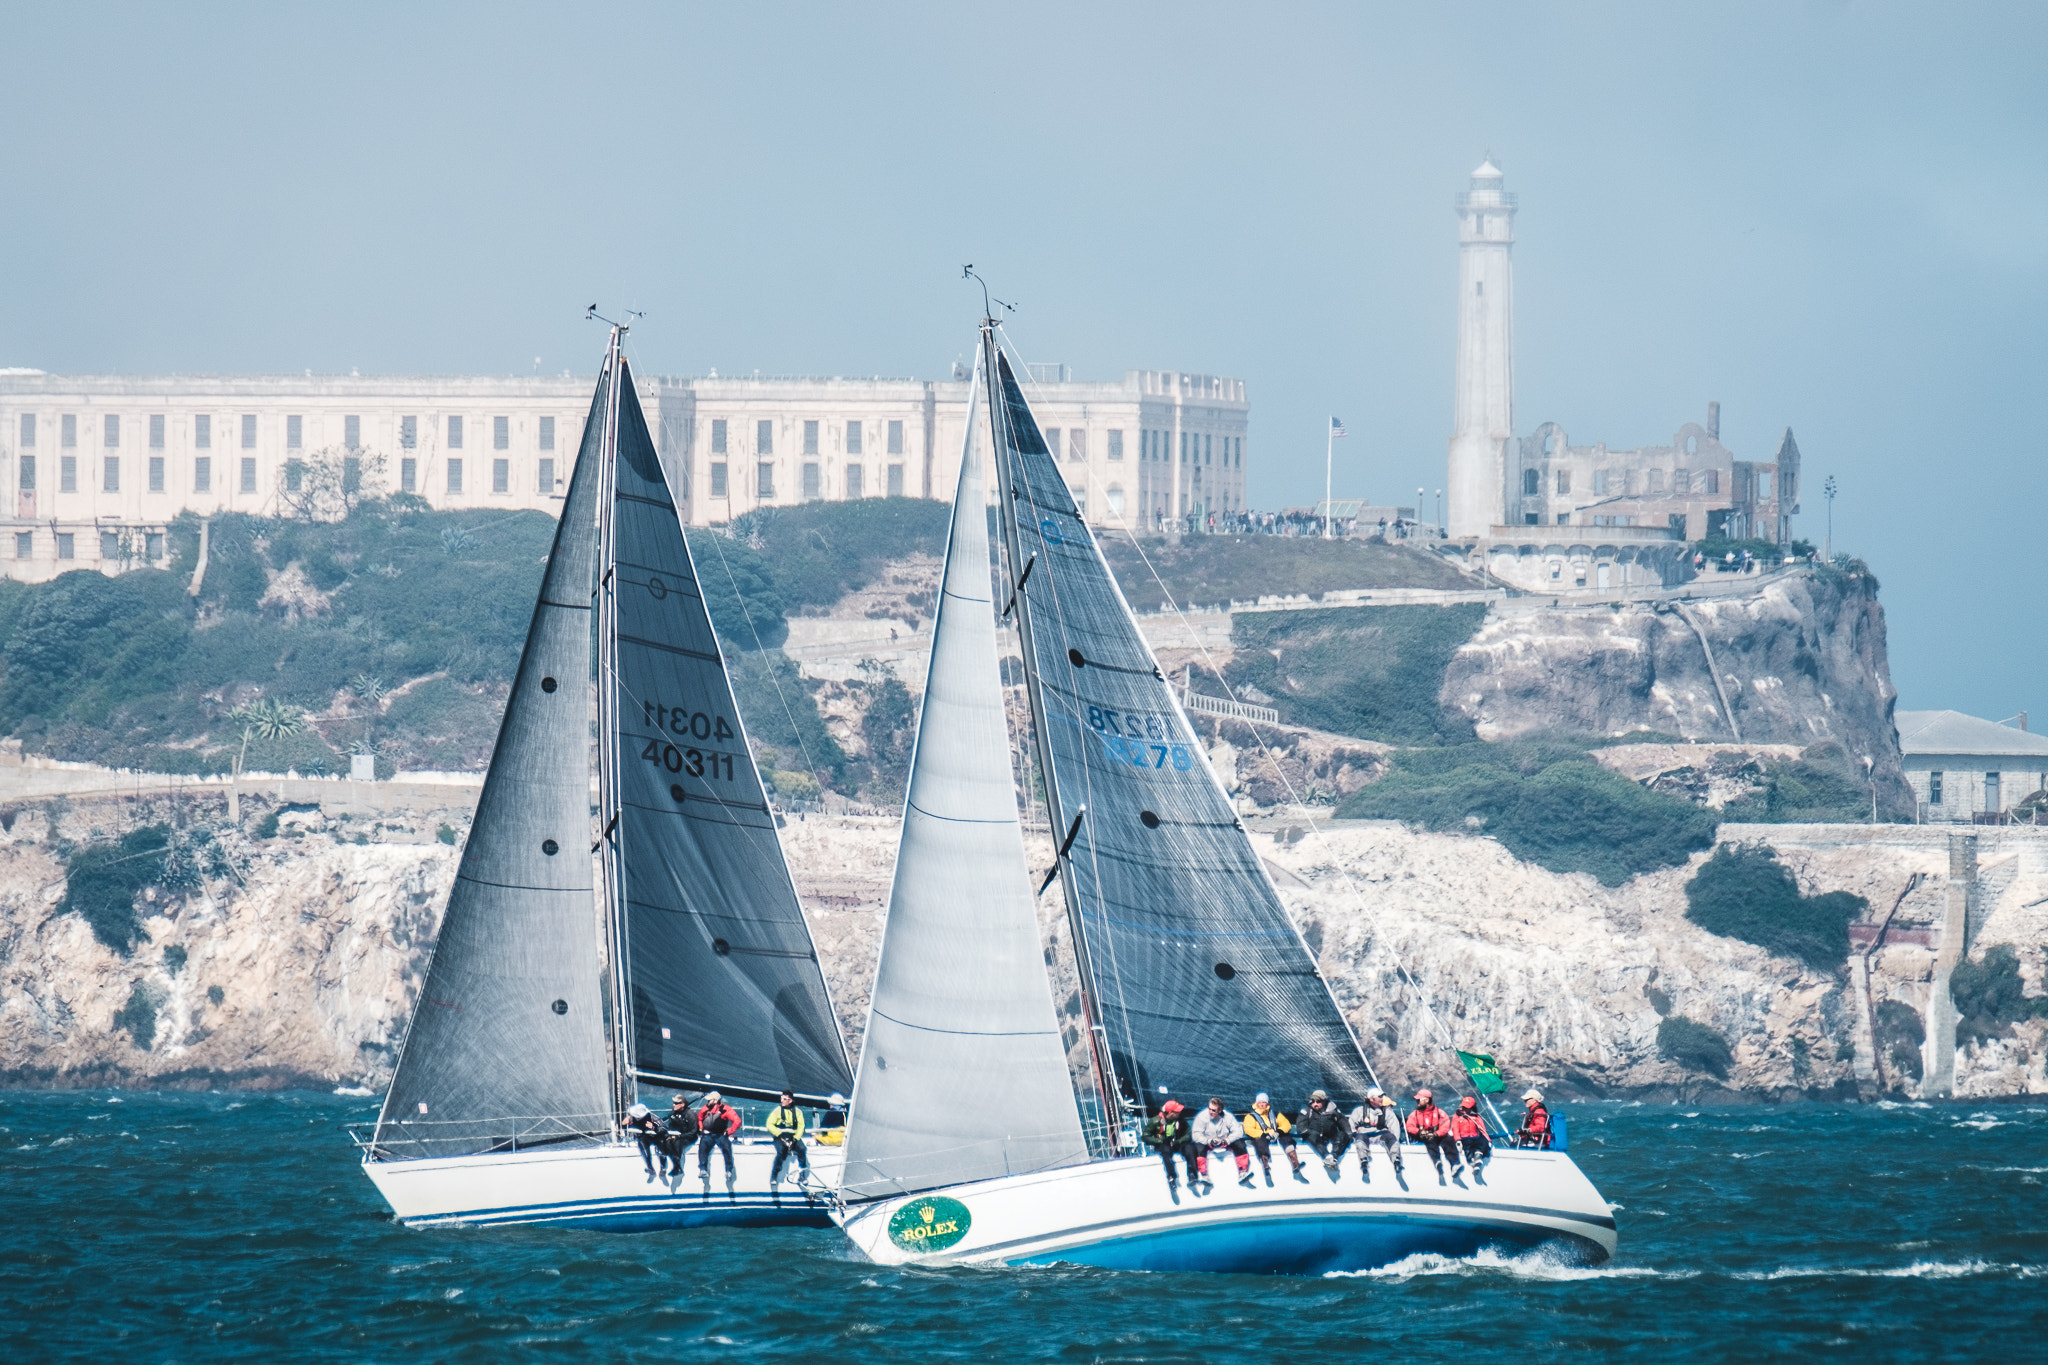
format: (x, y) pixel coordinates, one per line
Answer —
(1528, 1265)
(1918, 1270)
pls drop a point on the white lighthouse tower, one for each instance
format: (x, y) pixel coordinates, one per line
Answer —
(1484, 420)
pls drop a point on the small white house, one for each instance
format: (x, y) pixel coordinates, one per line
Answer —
(1961, 767)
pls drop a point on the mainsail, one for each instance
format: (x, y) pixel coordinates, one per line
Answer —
(506, 1046)
(1195, 978)
(961, 1022)
(720, 978)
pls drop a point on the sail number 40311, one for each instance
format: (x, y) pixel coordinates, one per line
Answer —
(695, 762)
(687, 724)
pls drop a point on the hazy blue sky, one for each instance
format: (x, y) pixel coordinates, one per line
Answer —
(1832, 216)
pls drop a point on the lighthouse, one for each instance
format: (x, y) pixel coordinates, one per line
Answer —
(1483, 420)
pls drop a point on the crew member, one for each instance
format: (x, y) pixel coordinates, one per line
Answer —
(679, 1132)
(1262, 1128)
(1431, 1127)
(1470, 1131)
(647, 1131)
(1535, 1129)
(1376, 1122)
(1217, 1130)
(1169, 1133)
(1323, 1129)
(786, 1126)
(717, 1124)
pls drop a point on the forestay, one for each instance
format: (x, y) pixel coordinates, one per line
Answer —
(963, 1075)
(506, 1046)
(723, 981)
(1199, 980)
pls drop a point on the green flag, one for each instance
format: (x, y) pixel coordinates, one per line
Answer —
(1484, 1071)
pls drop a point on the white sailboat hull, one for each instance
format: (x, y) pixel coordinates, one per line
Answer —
(604, 1188)
(1121, 1215)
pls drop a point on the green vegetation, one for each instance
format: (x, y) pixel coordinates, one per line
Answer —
(1899, 1036)
(1696, 1046)
(138, 1016)
(103, 881)
(1372, 672)
(1545, 801)
(780, 707)
(817, 552)
(1744, 892)
(1990, 996)
(889, 727)
(1823, 786)
(1717, 548)
(174, 959)
(1212, 570)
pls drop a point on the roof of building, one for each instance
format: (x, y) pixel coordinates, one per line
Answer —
(1487, 171)
(1952, 732)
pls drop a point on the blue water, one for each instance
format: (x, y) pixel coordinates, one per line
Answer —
(222, 1227)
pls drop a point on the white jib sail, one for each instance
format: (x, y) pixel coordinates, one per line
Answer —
(963, 1075)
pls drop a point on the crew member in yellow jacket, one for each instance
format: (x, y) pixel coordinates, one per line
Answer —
(1263, 1126)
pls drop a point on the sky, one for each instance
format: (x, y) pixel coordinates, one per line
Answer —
(1827, 216)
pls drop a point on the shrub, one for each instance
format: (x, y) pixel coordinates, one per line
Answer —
(1372, 672)
(174, 959)
(746, 607)
(1696, 1046)
(782, 713)
(1898, 1036)
(1546, 802)
(1990, 996)
(817, 552)
(1821, 786)
(138, 1016)
(890, 729)
(446, 834)
(1744, 892)
(103, 880)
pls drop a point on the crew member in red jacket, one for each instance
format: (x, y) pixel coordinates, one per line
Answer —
(717, 1124)
(1470, 1131)
(1431, 1127)
(1535, 1129)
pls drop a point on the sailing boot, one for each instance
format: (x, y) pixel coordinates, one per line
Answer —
(731, 1184)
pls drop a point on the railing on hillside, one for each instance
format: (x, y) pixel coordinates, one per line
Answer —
(1235, 710)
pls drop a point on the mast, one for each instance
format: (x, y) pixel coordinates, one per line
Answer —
(1113, 1103)
(611, 877)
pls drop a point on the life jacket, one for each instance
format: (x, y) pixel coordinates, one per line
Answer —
(786, 1121)
(1272, 1125)
(1537, 1120)
(1427, 1121)
(720, 1120)
(1466, 1124)
(682, 1123)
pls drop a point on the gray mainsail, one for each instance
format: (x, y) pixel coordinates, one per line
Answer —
(1194, 977)
(506, 1047)
(720, 978)
(961, 1022)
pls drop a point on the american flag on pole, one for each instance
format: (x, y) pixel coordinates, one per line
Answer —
(1337, 428)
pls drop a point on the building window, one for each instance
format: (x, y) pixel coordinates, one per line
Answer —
(1564, 518)
(501, 476)
(895, 438)
(454, 476)
(67, 430)
(1077, 445)
(1052, 442)
(718, 436)
(67, 545)
(1479, 288)
(455, 433)
(153, 546)
(110, 545)
(764, 479)
(1681, 481)
(352, 433)
(810, 438)
(110, 474)
(1991, 793)
(1564, 481)
(408, 433)
(294, 476)
(1599, 482)
(294, 433)
(718, 477)
(248, 475)
(1532, 483)
(856, 480)
(1529, 518)
(202, 474)
(1116, 445)
(248, 431)
(1713, 480)
(501, 433)
(1934, 789)
(156, 431)
(811, 480)
(202, 432)
(408, 475)
(547, 433)
(1656, 480)
(110, 432)
(27, 465)
(67, 474)
(28, 428)
(764, 438)
(1763, 485)
(546, 481)
(853, 438)
(1115, 497)
(156, 473)
(895, 480)
(24, 544)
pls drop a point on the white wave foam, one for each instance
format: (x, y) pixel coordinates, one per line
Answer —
(1981, 1122)
(1918, 1270)
(355, 1091)
(1529, 1265)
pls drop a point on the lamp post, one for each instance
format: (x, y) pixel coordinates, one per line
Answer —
(1870, 771)
(1827, 490)
(1439, 512)
(1421, 501)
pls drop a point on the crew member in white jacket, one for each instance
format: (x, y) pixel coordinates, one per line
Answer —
(1217, 1129)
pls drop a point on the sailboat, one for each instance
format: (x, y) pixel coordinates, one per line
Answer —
(661, 947)
(967, 1141)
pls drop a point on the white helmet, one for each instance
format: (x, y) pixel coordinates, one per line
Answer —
(1532, 1093)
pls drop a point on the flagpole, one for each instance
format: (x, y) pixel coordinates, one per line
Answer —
(1329, 453)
